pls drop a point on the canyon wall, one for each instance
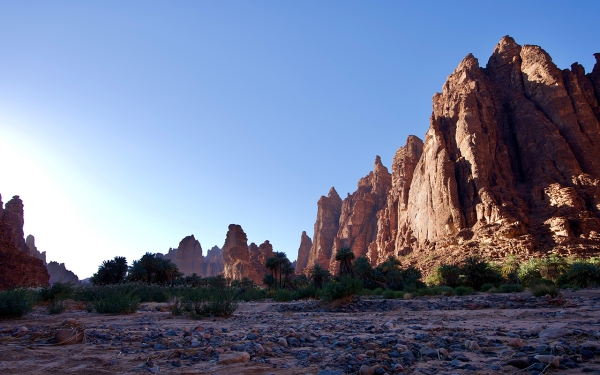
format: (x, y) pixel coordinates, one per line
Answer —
(510, 165)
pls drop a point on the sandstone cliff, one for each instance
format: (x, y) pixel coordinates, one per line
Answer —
(189, 259)
(509, 165)
(329, 209)
(303, 253)
(241, 260)
(17, 267)
(33, 250)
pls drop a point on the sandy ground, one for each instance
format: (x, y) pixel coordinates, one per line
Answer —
(152, 340)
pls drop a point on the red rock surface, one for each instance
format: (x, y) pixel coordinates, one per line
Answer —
(17, 267)
(509, 165)
(241, 260)
(326, 228)
(303, 253)
(189, 259)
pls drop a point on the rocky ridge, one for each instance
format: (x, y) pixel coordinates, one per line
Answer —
(509, 165)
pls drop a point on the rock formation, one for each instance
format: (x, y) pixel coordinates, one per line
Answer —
(509, 165)
(329, 209)
(303, 253)
(241, 260)
(33, 250)
(59, 273)
(189, 259)
(17, 267)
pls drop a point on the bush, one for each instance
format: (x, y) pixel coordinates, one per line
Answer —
(16, 302)
(463, 290)
(207, 301)
(378, 291)
(510, 288)
(581, 274)
(366, 292)
(345, 287)
(534, 282)
(486, 287)
(56, 307)
(529, 271)
(433, 291)
(478, 272)
(251, 294)
(541, 290)
(398, 294)
(115, 303)
(388, 294)
(309, 291)
(282, 295)
(58, 291)
(447, 291)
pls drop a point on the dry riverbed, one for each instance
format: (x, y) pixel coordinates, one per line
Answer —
(479, 334)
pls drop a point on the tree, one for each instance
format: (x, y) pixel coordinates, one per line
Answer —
(270, 281)
(370, 277)
(281, 259)
(110, 272)
(319, 275)
(151, 269)
(345, 256)
(287, 270)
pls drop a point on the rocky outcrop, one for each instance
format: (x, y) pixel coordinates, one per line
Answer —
(17, 267)
(59, 273)
(303, 253)
(509, 165)
(241, 260)
(189, 259)
(213, 262)
(329, 209)
(33, 250)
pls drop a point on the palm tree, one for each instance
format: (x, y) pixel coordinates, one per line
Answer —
(345, 256)
(287, 270)
(111, 271)
(319, 275)
(272, 265)
(281, 259)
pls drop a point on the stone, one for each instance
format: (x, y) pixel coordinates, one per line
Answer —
(366, 370)
(551, 360)
(282, 341)
(233, 357)
(69, 337)
(515, 342)
(553, 332)
(519, 363)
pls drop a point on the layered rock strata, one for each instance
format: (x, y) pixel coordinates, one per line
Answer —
(17, 267)
(509, 165)
(241, 260)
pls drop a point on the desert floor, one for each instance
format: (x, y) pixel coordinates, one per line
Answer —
(419, 336)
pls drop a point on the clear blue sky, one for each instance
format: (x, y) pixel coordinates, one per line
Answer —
(127, 125)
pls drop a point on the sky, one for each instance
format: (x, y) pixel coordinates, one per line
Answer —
(128, 125)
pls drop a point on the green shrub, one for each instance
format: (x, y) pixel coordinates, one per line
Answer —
(534, 282)
(510, 288)
(115, 303)
(15, 303)
(207, 301)
(486, 287)
(463, 290)
(449, 274)
(309, 291)
(541, 290)
(378, 291)
(282, 295)
(433, 291)
(366, 292)
(388, 294)
(478, 272)
(56, 307)
(58, 291)
(529, 271)
(345, 287)
(398, 294)
(581, 274)
(251, 294)
(447, 291)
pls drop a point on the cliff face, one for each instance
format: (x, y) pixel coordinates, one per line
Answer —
(33, 250)
(326, 228)
(189, 259)
(17, 267)
(241, 260)
(303, 253)
(509, 165)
